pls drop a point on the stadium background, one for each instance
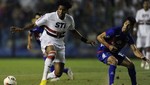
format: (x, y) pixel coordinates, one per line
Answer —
(91, 17)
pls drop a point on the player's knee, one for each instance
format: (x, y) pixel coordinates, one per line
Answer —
(112, 61)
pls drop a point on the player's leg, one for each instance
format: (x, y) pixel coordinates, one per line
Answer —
(147, 47)
(147, 67)
(58, 63)
(131, 69)
(109, 59)
(51, 67)
(140, 43)
(69, 72)
(112, 62)
(61, 58)
(51, 53)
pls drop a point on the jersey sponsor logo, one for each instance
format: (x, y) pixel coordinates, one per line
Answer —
(60, 25)
(145, 15)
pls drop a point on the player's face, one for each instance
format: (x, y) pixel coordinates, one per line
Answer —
(127, 26)
(61, 11)
(146, 5)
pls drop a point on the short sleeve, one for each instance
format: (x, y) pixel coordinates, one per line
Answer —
(72, 26)
(110, 33)
(42, 20)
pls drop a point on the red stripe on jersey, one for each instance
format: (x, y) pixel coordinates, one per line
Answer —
(49, 29)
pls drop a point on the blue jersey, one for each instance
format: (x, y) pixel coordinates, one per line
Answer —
(37, 31)
(115, 37)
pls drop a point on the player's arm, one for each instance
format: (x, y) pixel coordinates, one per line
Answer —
(39, 22)
(137, 53)
(79, 36)
(29, 39)
(101, 39)
(26, 27)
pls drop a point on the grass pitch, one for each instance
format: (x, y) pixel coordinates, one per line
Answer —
(86, 72)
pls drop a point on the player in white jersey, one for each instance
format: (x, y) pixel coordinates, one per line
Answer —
(143, 32)
(52, 39)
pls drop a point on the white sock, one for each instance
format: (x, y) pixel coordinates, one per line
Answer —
(48, 62)
(51, 75)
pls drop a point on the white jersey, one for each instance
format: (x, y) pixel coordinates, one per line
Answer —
(54, 30)
(143, 34)
(143, 20)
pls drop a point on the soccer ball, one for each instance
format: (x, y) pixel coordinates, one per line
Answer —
(10, 80)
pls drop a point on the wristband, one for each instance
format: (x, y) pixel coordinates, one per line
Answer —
(84, 39)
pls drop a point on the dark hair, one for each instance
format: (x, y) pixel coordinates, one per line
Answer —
(144, 1)
(66, 3)
(131, 19)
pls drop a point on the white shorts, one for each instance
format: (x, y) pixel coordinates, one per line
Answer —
(60, 50)
(143, 41)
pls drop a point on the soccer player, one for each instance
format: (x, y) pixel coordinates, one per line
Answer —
(143, 32)
(52, 40)
(111, 42)
(37, 32)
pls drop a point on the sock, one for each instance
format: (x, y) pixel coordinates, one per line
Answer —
(52, 68)
(47, 64)
(44, 57)
(112, 70)
(51, 75)
(132, 74)
(65, 70)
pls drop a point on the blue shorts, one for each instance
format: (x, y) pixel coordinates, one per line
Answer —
(104, 55)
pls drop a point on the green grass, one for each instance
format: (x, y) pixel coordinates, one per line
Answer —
(86, 72)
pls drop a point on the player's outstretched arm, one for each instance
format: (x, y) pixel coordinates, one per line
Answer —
(138, 54)
(18, 29)
(83, 39)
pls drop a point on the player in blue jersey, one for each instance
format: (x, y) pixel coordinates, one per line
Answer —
(111, 43)
(37, 32)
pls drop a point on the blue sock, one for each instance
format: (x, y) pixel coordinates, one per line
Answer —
(52, 68)
(132, 74)
(112, 70)
(44, 58)
(65, 70)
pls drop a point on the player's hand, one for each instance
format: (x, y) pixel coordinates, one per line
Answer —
(113, 48)
(15, 29)
(91, 42)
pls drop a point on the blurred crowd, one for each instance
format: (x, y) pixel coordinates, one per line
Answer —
(91, 18)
